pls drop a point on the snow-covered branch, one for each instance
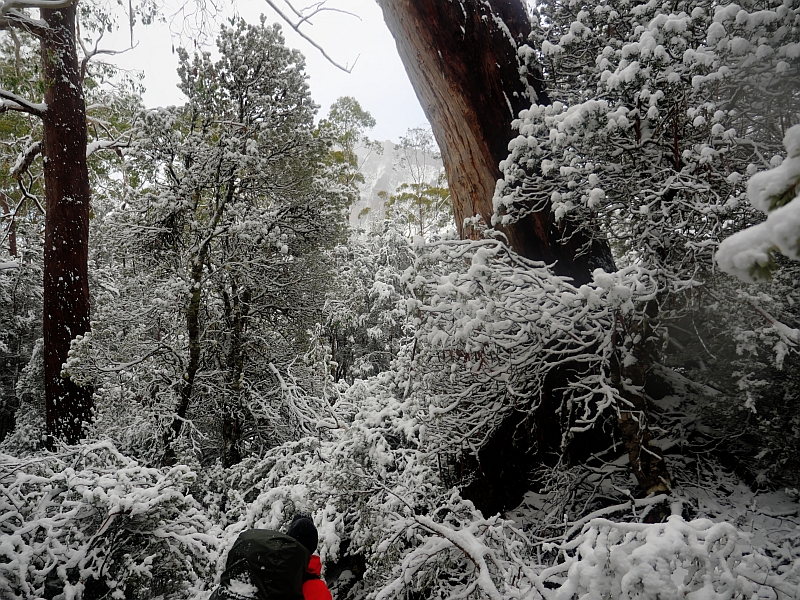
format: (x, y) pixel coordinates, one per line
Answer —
(749, 254)
(11, 101)
(9, 5)
(97, 145)
(13, 18)
(25, 159)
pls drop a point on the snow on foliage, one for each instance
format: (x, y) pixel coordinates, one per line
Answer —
(213, 263)
(492, 326)
(659, 113)
(223, 288)
(748, 254)
(88, 521)
(677, 559)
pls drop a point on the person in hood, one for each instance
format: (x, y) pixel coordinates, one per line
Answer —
(303, 530)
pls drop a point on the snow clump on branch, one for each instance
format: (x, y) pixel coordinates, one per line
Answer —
(749, 254)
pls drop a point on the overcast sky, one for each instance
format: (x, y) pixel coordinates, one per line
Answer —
(378, 80)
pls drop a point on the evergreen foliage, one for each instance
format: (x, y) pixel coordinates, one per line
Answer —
(219, 260)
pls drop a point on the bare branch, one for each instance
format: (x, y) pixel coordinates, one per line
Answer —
(305, 16)
(11, 101)
(11, 15)
(95, 52)
(30, 196)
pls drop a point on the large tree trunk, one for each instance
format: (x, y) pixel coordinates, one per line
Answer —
(66, 176)
(462, 59)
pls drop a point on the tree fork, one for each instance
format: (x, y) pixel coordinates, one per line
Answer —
(67, 194)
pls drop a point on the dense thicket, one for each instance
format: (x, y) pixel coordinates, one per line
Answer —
(251, 358)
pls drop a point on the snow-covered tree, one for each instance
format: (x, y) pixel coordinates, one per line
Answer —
(365, 324)
(345, 130)
(658, 116)
(57, 99)
(220, 256)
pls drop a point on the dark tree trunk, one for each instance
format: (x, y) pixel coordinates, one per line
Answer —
(66, 176)
(467, 75)
(647, 461)
(237, 308)
(12, 227)
(193, 331)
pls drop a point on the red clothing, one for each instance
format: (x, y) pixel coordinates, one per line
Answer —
(315, 588)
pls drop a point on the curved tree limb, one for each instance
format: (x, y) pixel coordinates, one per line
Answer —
(25, 159)
(11, 101)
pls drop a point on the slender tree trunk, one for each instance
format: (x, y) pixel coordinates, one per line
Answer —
(237, 306)
(67, 193)
(647, 461)
(462, 59)
(193, 331)
(12, 227)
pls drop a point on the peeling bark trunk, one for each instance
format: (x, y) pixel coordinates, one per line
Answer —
(67, 193)
(462, 59)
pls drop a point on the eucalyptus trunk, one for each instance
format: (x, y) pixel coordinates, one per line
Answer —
(67, 194)
(463, 60)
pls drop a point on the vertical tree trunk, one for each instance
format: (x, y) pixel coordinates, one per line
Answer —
(67, 193)
(237, 307)
(462, 59)
(193, 331)
(12, 227)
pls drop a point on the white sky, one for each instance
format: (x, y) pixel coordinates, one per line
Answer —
(378, 80)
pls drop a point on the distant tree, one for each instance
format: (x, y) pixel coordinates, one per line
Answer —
(345, 129)
(421, 205)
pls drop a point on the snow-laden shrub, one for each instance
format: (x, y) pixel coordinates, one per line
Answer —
(88, 522)
(418, 538)
(492, 326)
(750, 254)
(697, 560)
